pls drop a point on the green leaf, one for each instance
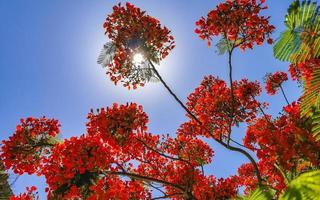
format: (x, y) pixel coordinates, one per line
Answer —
(304, 187)
(310, 105)
(301, 41)
(258, 194)
(223, 46)
(5, 189)
(286, 45)
(316, 120)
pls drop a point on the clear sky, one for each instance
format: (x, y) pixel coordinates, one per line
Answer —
(48, 67)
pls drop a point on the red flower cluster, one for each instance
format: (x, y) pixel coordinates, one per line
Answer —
(212, 103)
(237, 21)
(304, 70)
(226, 188)
(247, 177)
(194, 150)
(29, 195)
(184, 156)
(115, 188)
(212, 188)
(132, 31)
(118, 159)
(274, 81)
(271, 138)
(118, 124)
(76, 163)
(117, 144)
(32, 140)
(82, 168)
(270, 174)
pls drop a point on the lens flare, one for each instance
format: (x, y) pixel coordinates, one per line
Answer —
(138, 58)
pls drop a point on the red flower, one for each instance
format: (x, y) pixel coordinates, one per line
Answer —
(30, 194)
(211, 102)
(274, 81)
(188, 148)
(304, 70)
(74, 165)
(238, 22)
(115, 188)
(88, 167)
(30, 144)
(133, 31)
(288, 133)
(118, 123)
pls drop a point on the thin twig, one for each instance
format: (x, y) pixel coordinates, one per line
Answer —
(284, 95)
(156, 188)
(162, 154)
(167, 196)
(144, 178)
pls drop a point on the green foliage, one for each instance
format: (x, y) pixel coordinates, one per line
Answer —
(258, 194)
(310, 106)
(301, 41)
(316, 120)
(5, 190)
(223, 46)
(304, 187)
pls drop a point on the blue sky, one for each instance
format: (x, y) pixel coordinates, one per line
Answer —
(48, 67)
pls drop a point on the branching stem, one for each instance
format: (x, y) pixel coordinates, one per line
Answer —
(231, 93)
(284, 94)
(242, 151)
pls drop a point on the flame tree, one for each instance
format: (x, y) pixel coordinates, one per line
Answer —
(118, 158)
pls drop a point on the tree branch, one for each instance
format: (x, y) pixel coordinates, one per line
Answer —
(173, 94)
(144, 178)
(247, 155)
(231, 93)
(167, 196)
(284, 95)
(162, 154)
(200, 123)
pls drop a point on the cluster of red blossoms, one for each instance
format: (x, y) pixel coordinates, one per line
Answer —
(118, 123)
(212, 103)
(116, 145)
(237, 21)
(270, 138)
(304, 70)
(274, 81)
(28, 195)
(31, 142)
(117, 158)
(132, 30)
(75, 162)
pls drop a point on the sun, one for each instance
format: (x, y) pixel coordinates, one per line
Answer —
(138, 58)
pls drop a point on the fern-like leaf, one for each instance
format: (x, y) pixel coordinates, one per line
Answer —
(106, 55)
(316, 119)
(223, 46)
(301, 41)
(258, 194)
(304, 187)
(310, 105)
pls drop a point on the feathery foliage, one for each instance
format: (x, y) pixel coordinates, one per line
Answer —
(304, 187)
(258, 194)
(301, 41)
